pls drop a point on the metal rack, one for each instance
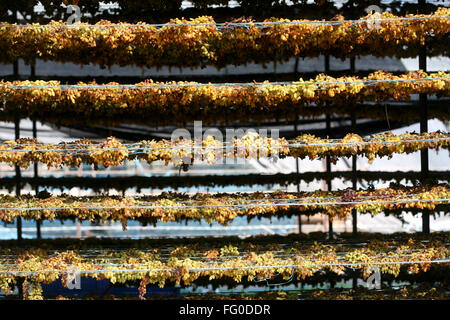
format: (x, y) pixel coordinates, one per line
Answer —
(355, 175)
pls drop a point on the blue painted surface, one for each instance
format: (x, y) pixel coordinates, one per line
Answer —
(6, 232)
(101, 287)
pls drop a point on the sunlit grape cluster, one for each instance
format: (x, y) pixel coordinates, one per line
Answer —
(222, 208)
(193, 46)
(157, 104)
(180, 264)
(111, 152)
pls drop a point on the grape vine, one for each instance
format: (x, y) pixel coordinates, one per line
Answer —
(186, 45)
(173, 102)
(222, 208)
(111, 152)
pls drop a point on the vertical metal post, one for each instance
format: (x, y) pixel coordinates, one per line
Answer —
(298, 171)
(296, 66)
(33, 70)
(352, 65)
(354, 180)
(354, 177)
(36, 188)
(424, 123)
(18, 180)
(328, 162)
(18, 177)
(354, 158)
(16, 69)
(424, 158)
(354, 280)
(332, 282)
